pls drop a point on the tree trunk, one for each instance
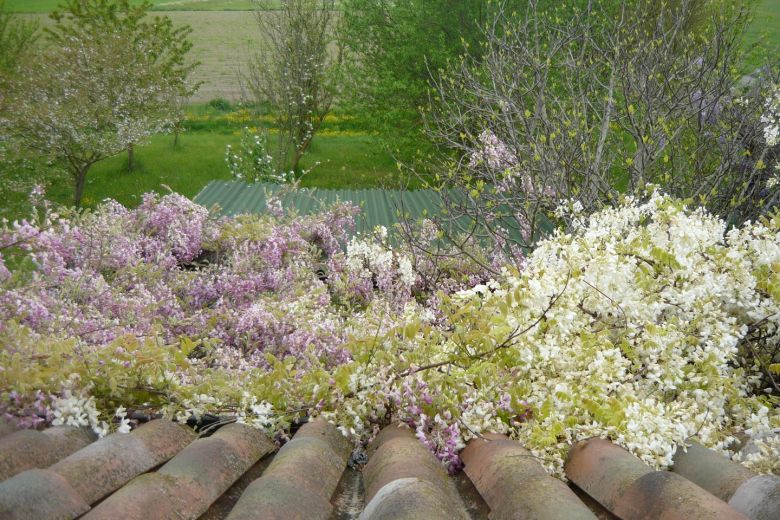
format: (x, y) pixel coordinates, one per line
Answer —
(80, 178)
(176, 131)
(130, 157)
(296, 158)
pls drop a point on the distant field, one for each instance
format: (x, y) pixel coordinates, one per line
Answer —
(43, 6)
(222, 43)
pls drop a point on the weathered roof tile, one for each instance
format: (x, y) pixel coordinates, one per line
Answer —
(515, 485)
(632, 490)
(301, 479)
(189, 483)
(27, 449)
(603, 470)
(662, 494)
(411, 498)
(710, 470)
(321, 429)
(114, 460)
(276, 499)
(403, 476)
(758, 498)
(39, 494)
(402, 480)
(6, 427)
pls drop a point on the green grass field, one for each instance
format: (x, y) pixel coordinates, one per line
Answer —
(44, 6)
(345, 162)
(764, 32)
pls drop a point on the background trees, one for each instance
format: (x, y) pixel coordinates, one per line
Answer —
(110, 77)
(395, 46)
(294, 69)
(16, 37)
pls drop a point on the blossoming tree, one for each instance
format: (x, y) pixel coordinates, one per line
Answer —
(294, 70)
(109, 78)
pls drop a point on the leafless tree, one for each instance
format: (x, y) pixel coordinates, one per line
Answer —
(294, 71)
(597, 102)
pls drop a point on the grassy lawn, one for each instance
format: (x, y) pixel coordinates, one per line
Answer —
(764, 32)
(345, 161)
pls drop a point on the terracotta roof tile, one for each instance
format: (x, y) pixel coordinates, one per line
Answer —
(97, 469)
(412, 498)
(404, 480)
(515, 485)
(189, 483)
(27, 449)
(6, 427)
(601, 512)
(758, 498)
(223, 476)
(603, 470)
(476, 506)
(301, 479)
(39, 494)
(321, 429)
(662, 494)
(114, 460)
(220, 509)
(632, 490)
(386, 434)
(710, 470)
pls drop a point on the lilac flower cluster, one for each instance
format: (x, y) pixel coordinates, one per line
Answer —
(492, 152)
(27, 411)
(439, 433)
(248, 299)
(167, 267)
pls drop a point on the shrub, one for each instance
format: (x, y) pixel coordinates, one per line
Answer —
(600, 101)
(632, 327)
(250, 162)
(165, 305)
(649, 323)
(221, 104)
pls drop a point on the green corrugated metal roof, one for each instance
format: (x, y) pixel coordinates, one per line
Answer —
(379, 207)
